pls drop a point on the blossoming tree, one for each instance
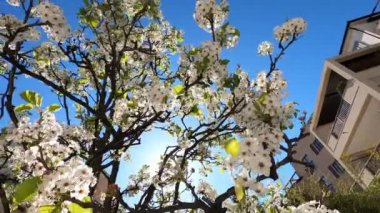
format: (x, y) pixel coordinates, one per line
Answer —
(114, 82)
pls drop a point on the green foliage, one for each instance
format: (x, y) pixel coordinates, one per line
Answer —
(343, 199)
(232, 82)
(75, 208)
(232, 147)
(53, 107)
(179, 90)
(124, 58)
(32, 97)
(49, 209)
(196, 111)
(26, 190)
(23, 107)
(239, 192)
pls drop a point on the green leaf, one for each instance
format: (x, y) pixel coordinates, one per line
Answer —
(180, 39)
(23, 107)
(239, 192)
(53, 107)
(75, 208)
(132, 103)
(193, 51)
(232, 147)
(196, 111)
(50, 209)
(179, 89)
(124, 58)
(262, 98)
(83, 81)
(91, 21)
(225, 61)
(32, 97)
(86, 2)
(26, 190)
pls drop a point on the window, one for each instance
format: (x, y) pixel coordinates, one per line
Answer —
(326, 183)
(359, 45)
(336, 169)
(340, 119)
(316, 146)
(310, 163)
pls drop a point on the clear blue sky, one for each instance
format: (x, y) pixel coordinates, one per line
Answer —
(302, 65)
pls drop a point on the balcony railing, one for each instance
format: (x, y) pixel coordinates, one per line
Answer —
(373, 162)
(293, 180)
(370, 168)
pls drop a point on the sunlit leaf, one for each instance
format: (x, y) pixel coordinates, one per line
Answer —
(90, 20)
(26, 190)
(32, 97)
(179, 89)
(262, 98)
(83, 81)
(196, 111)
(132, 103)
(50, 209)
(232, 147)
(53, 107)
(124, 58)
(23, 107)
(75, 208)
(239, 192)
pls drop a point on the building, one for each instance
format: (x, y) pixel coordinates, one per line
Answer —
(323, 164)
(345, 128)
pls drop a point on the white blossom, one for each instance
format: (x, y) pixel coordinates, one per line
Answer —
(265, 48)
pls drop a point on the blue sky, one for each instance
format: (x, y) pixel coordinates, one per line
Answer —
(302, 65)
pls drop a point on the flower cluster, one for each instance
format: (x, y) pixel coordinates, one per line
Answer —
(291, 28)
(44, 149)
(48, 54)
(207, 190)
(73, 179)
(310, 207)
(264, 118)
(138, 181)
(209, 15)
(145, 101)
(15, 3)
(265, 48)
(132, 7)
(228, 36)
(158, 96)
(10, 25)
(55, 22)
(203, 64)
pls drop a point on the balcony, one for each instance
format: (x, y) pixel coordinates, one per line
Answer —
(361, 33)
(334, 110)
(365, 165)
(347, 114)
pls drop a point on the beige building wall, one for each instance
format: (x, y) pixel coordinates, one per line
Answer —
(366, 134)
(347, 119)
(321, 161)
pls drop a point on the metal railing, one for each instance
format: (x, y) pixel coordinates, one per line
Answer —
(293, 180)
(372, 165)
